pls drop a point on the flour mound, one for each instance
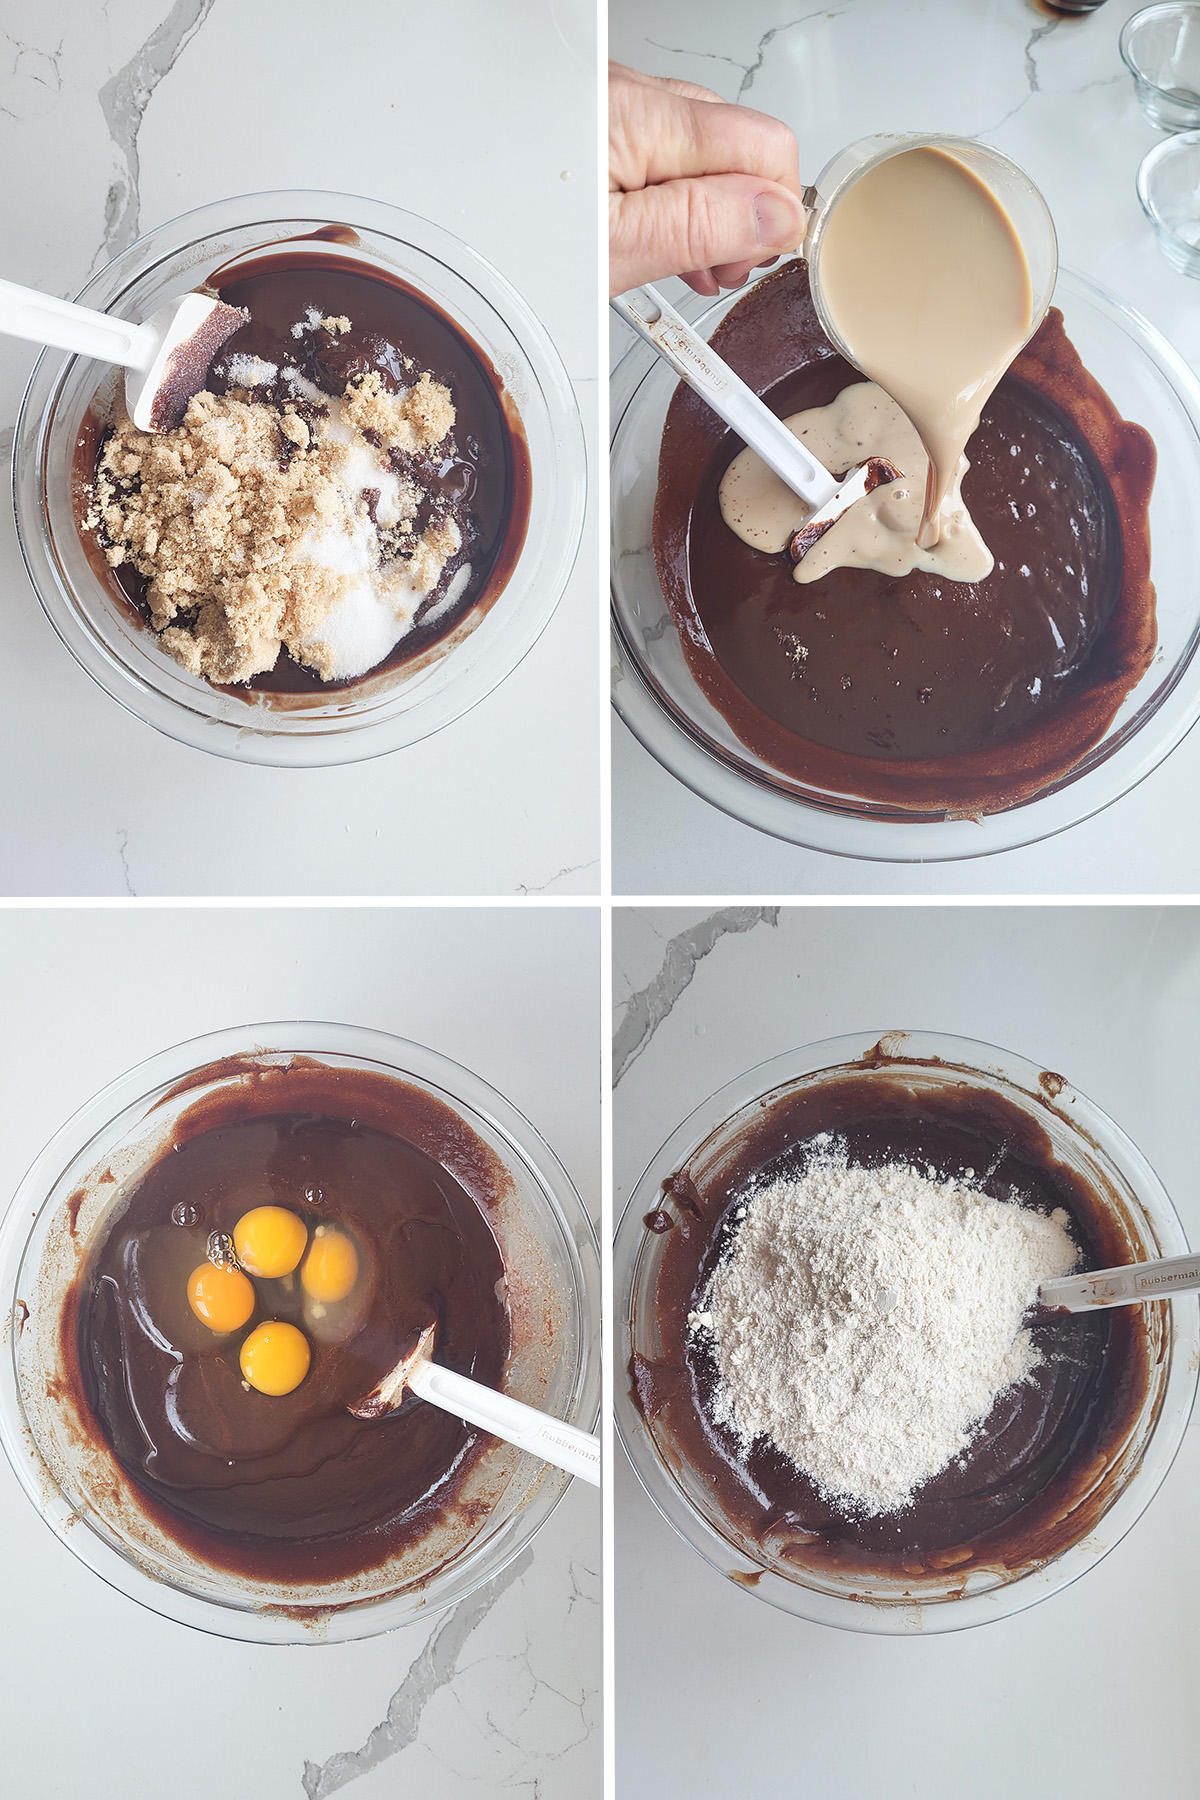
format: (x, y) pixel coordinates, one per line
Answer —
(866, 1320)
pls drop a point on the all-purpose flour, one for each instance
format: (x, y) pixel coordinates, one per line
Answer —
(866, 1320)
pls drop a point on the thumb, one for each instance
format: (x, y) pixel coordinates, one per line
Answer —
(699, 223)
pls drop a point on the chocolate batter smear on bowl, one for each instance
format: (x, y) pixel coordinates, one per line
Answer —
(965, 678)
(347, 486)
(850, 1361)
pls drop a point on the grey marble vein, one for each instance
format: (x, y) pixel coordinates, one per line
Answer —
(123, 853)
(750, 69)
(541, 887)
(1031, 75)
(1035, 37)
(768, 37)
(1101, 81)
(31, 65)
(123, 101)
(579, 1596)
(434, 1667)
(540, 1684)
(701, 55)
(646, 1010)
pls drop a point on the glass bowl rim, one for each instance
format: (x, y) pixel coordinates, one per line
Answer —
(710, 775)
(402, 1058)
(1161, 10)
(1160, 153)
(341, 738)
(963, 1056)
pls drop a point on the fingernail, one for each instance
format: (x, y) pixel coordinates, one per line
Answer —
(775, 220)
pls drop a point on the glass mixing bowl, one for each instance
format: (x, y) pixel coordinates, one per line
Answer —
(1090, 1145)
(82, 1492)
(657, 697)
(381, 712)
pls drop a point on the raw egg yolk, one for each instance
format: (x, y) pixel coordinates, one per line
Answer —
(269, 1241)
(222, 1298)
(330, 1269)
(275, 1357)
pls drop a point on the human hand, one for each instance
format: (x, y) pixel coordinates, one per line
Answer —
(697, 188)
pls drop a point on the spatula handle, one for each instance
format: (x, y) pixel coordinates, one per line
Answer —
(554, 1441)
(1122, 1287)
(45, 319)
(694, 362)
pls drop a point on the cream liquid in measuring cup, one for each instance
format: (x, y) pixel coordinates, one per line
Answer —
(924, 279)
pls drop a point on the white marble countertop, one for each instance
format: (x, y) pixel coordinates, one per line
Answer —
(502, 1693)
(1090, 1691)
(118, 118)
(1054, 95)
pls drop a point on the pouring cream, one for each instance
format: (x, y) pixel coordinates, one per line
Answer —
(924, 279)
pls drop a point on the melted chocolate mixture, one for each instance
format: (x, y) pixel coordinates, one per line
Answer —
(293, 1487)
(484, 485)
(1018, 1493)
(916, 692)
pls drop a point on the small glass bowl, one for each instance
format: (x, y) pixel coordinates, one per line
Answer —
(1084, 1139)
(84, 1495)
(381, 712)
(656, 695)
(1160, 47)
(1168, 186)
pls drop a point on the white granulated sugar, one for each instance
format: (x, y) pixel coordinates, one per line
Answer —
(245, 371)
(865, 1321)
(373, 614)
(308, 390)
(379, 607)
(362, 628)
(345, 548)
(360, 468)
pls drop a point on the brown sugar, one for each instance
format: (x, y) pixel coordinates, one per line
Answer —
(251, 520)
(415, 421)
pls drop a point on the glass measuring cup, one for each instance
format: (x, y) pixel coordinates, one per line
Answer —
(1009, 185)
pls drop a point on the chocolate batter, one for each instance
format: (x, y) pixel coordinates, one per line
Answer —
(484, 486)
(293, 1487)
(919, 694)
(1024, 1491)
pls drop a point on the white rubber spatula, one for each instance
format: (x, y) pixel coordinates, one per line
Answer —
(695, 362)
(166, 360)
(554, 1441)
(1127, 1286)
